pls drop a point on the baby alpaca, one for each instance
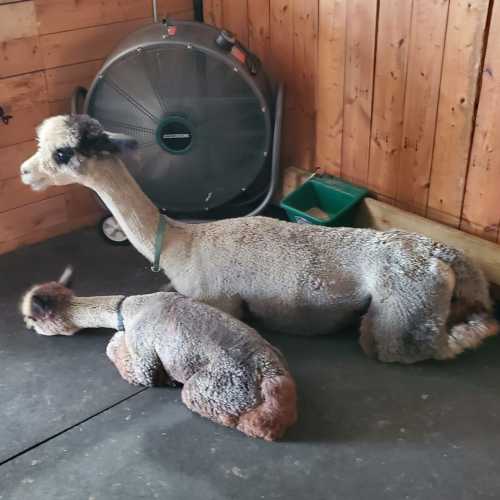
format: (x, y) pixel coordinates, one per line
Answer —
(231, 375)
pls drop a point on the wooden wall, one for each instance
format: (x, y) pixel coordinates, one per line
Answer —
(47, 47)
(402, 96)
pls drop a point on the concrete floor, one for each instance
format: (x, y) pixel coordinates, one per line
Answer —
(72, 429)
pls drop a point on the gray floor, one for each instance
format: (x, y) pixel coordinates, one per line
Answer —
(72, 429)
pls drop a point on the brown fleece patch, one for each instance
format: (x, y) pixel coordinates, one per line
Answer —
(275, 414)
(48, 299)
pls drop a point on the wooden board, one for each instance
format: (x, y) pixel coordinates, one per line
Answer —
(212, 12)
(382, 216)
(20, 21)
(358, 90)
(62, 81)
(14, 194)
(11, 158)
(62, 49)
(303, 86)
(172, 8)
(330, 88)
(20, 56)
(81, 201)
(459, 86)
(421, 103)
(67, 15)
(45, 233)
(389, 95)
(40, 215)
(259, 30)
(481, 211)
(236, 18)
(281, 52)
(25, 98)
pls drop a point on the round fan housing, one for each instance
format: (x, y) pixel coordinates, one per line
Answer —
(201, 113)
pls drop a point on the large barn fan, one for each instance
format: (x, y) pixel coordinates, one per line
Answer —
(204, 113)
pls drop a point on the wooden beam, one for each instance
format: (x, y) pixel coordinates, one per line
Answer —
(378, 215)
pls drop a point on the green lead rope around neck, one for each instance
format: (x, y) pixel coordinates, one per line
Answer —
(160, 235)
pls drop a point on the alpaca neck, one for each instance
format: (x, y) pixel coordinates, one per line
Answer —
(95, 312)
(135, 213)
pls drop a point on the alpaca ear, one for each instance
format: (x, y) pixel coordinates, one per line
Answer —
(122, 142)
(66, 278)
(41, 306)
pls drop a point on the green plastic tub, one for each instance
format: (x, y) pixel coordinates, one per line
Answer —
(325, 201)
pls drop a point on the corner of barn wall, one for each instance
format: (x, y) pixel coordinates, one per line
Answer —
(47, 50)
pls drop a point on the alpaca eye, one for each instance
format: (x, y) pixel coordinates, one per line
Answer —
(63, 155)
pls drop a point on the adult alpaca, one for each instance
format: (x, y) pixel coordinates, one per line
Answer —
(418, 299)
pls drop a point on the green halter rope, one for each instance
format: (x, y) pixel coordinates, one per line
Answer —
(160, 234)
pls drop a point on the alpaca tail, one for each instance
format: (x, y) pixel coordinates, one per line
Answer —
(276, 412)
(471, 290)
(469, 334)
(470, 319)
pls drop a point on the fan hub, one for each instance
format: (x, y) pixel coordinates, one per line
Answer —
(174, 134)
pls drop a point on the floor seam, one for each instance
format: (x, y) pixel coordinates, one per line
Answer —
(70, 427)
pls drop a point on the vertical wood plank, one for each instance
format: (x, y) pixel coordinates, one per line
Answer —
(281, 41)
(422, 93)
(360, 62)
(389, 95)
(281, 44)
(459, 86)
(258, 29)
(170, 8)
(303, 85)
(330, 88)
(212, 12)
(481, 211)
(235, 14)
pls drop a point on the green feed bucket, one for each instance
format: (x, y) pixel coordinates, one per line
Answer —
(325, 201)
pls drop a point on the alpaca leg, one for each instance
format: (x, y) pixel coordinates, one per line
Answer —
(201, 394)
(407, 323)
(230, 305)
(145, 369)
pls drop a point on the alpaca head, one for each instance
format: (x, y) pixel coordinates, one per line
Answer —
(69, 148)
(45, 307)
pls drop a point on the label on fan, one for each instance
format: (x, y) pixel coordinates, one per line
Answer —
(239, 54)
(171, 30)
